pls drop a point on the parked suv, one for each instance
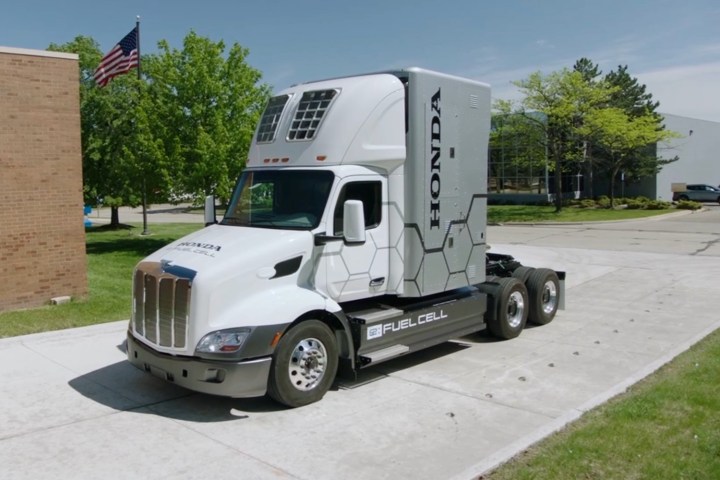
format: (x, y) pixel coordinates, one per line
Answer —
(698, 193)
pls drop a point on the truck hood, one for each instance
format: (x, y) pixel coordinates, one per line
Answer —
(228, 265)
(218, 247)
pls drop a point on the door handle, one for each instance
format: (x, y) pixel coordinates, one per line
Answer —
(376, 282)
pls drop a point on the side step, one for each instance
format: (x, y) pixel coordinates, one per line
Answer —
(395, 327)
(384, 354)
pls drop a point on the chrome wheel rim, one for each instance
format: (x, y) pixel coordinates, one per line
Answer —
(515, 309)
(308, 363)
(549, 297)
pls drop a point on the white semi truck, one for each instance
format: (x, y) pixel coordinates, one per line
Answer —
(356, 234)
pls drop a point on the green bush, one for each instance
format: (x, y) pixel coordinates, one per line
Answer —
(688, 205)
(633, 204)
(586, 203)
(642, 199)
(603, 201)
(657, 205)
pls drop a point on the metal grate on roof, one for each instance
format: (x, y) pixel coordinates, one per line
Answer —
(271, 118)
(310, 113)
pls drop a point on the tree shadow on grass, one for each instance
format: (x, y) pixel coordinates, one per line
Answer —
(131, 244)
(109, 228)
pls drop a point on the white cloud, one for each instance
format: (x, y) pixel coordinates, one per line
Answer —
(686, 90)
(691, 90)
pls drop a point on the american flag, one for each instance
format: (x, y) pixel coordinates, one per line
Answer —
(121, 59)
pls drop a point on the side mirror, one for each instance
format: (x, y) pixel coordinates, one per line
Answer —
(210, 218)
(353, 222)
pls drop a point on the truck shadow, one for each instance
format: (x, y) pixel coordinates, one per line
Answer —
(385, 369)
(122, 387)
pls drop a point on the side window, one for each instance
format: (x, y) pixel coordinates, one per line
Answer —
(370, 193)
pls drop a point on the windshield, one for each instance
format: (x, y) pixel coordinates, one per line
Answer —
(287, 199)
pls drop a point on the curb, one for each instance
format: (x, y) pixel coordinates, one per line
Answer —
(655, 218)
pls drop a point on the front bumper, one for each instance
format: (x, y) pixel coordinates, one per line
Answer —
(227, 379)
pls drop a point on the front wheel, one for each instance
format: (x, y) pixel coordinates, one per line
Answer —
(304, 364)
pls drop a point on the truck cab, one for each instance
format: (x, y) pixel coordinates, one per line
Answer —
(356, 234)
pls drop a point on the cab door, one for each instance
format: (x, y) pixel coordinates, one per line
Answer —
(356, 271)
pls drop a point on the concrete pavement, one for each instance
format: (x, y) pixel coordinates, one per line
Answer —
(638, 294)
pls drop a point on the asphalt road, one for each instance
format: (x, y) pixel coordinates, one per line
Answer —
(638, 294)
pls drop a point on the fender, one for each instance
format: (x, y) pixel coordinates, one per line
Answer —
(282, 308)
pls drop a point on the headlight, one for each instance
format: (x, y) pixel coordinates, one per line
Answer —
(223, 341)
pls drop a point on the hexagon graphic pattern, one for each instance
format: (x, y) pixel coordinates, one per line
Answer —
(359, 258)
(337, 280)
(476, 221)
(457, 256)
(396, 223)
(475, 268)
(395, 282)
(435, 275)
(414, 260)
(456, 280)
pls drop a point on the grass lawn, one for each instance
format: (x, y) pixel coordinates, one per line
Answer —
(111, 256)
(666, 426)
(531, 213)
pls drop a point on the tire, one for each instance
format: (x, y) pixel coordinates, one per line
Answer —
(544, 291)
(507, 308)
(522, 273)
(304, 364)
(683, 198)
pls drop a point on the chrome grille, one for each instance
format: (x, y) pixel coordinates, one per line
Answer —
(161, 303)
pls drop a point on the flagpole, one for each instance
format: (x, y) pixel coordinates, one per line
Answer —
(144, 193)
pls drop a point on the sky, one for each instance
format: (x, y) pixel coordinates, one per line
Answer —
(671, 46)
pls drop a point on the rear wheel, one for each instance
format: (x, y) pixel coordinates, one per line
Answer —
(544, 291)
(507, 308)
(522, 273)
(683, 198)
(304, 364)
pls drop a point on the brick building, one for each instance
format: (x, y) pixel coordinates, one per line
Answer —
(42, 237)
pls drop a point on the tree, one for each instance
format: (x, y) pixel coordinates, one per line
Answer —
(626, 139)
(640, 120)
(565, 98)
(184, 128)
(590, 71)
(205, 108)
(111, 132)
(630, 96)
